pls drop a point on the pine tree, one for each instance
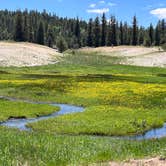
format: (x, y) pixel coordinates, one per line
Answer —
(141, 36)
(134, 35)
(31, 32)
(19, 27)
(103, 31)
(97, 32)
(78, 32)
(25, 29)
(163, 32)
(151, 34)
(40, 34)
(125, 33)
(147, 41)
(113, 30)
(61, 44)
(75, 31)
(50, 37)
(157, 34)
(121, 34)
(90, 35)
(109, 35)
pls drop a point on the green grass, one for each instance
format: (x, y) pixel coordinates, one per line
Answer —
(40, 149)
(104, 120)
(119, 100)
(11, 109)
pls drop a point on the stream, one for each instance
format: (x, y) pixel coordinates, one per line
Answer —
(68, 109)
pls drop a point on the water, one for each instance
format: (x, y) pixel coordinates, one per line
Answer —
(21, 123)
(154, 133)
(68, 109)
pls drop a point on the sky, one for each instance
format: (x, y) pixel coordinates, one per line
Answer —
(147, 11)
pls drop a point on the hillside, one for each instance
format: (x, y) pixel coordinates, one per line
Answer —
(26, 54)
(130, 55)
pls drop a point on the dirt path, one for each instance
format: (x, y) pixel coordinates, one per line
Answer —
(26, 54)
(143, 162)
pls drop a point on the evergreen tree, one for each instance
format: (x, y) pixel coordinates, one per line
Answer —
(97, 32)
(31, 33)
(74, 31)
(134, 35)
(109, 35)
(163, 32)
(90, 35)
(113, 30)
(125, 33)
(61, 44)
(103, 31)
(40, 34)
(147, 41)
(121, 34)
(19, 27)
(50, 37)
(151, 34)
(25, 29)
(141, 36)
(78, 32)
(157, 35)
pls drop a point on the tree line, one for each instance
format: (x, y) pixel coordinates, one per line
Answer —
(49, 29)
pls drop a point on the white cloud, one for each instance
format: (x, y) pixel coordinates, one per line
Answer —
(98, 11)
(102, 2)
(148, 7)
(111, 4)
(159, 12)
(161, 4)
(92, 5)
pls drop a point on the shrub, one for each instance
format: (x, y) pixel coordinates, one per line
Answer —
(147, 42)
(164, 47)
(61, 44)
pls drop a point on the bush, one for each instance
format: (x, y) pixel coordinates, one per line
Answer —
(147, 42)
(164, 47)
(61, 44)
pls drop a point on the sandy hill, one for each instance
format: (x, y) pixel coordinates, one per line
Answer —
(130, 55)
(26, 54)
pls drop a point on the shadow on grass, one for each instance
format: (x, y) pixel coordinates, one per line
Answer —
(4, 72)
(97, 78)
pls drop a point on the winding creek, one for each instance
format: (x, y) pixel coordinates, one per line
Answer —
(68, 109)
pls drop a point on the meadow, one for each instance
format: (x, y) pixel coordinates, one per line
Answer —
(118, 100)
(12, 109)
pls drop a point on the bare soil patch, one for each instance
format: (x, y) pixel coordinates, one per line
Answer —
(27, 54)
(143, 162)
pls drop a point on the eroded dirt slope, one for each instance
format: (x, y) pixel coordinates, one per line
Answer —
(27, 54)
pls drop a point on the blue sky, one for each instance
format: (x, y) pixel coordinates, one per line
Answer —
(147, 11)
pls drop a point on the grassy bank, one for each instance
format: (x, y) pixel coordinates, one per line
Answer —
(21, 148)
(104, 120)
(11, 109)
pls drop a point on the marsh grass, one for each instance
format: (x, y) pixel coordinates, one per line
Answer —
(21, 148)
(104, 120)
(11, 109)
(119, 100)
(81, 58)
